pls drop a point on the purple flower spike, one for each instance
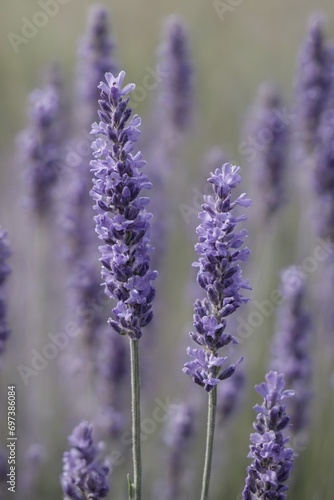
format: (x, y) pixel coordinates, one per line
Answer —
(313, 79)
(270, 163)
(178, 434)
(292, 343)
(324, 171)
(96, 58)
(220, 247)
(122, 221)
(272, 460)
(84, 476)
(40, 147)
(177, 71)
(229, 396)
(5, 253)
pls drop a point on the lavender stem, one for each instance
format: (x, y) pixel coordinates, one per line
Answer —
(135, 412)
(212, 407)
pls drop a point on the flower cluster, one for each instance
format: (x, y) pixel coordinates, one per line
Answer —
(84, 477)
(122, 221)
(4, 271)
(270, 162)
(291, 345)
(220, 249)
(272, 460)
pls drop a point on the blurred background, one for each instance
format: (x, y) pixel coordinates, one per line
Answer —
(232, 53)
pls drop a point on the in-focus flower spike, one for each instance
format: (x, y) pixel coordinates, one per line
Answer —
(5, 253)
(122, 221)
(292, 345)
(177, 71)
(272, 459)
(229, 395)
(220, 247)
(313, 77)
(96, 58)
(40, 147)
(269, 164)
(84, 476)
(178, 434)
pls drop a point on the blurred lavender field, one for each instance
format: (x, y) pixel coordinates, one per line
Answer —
(245, 100)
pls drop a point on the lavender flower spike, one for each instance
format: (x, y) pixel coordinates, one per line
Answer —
(312, 81)
(40, 144)
(84, 477)
(269, 165)
(220, 249)
(4, 271)
(272, 460)
(96, 58)
(177, 76)
(122, 221)
(292, 343)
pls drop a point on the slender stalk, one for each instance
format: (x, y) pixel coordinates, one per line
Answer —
(135, 405)
(212, 405)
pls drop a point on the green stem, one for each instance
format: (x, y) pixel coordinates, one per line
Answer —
(135, 405)
(212, 404)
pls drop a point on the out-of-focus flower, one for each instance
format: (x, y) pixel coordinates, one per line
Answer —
(291, 345)
(313, 77)
(269, 164)
(84, 477)
(229, 395)
(178, 434)
(177, 73)
(5, 253)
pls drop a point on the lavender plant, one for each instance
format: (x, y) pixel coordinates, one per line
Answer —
(229, 396)
(272, 460)
(269, 165)
(178, 434)
(324, 170)
(112, 374)
(84, 476)
(40, 147)
(123, 224)
(312, 82)
(177, 78)
(220, 249)
(5, 253)
(292, 345)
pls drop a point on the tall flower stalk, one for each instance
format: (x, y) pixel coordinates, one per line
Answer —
(220, 249)
(123, 224)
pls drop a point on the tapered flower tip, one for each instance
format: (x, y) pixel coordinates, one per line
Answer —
(81, 436)
(273, 389)
(115, 84)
